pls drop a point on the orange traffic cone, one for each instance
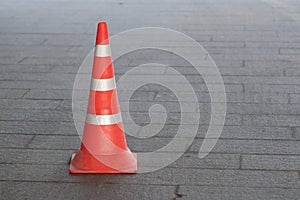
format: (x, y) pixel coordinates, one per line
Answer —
(103, 148)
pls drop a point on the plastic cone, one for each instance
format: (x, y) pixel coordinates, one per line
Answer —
(103, 148)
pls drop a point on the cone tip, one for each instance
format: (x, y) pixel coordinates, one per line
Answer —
(102, 34)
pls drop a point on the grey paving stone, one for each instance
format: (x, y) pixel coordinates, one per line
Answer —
(245, 178)
(23, 190)
(251, 51)
(40, 128)
(67, 105)
(39, 51)
(36, 115)
(257, 98)
(293, 51)
(142, 106)
(271, 120)
(33, 156)
(213, 27)
(25, 68)
(175, 118)
(50, 61)
(234, 76)
(55, 142)
(268, 37)
(230, 146)
(211, 161)
(156, 143)
(223, 44)
(137, 95)
(245, 108)
(24, 39)
(69, 69)
(294, 98)
(163, 96)
(257, 57)
(33, 84)
(262, 71)
(12, 93)
(227, 62)
(270, 162)
(297, 133)
(37, 76)
(279, 132)
(10, 60)
(233, 132)
(206, 192)
(14, 140)
(283, 26)
(272, 44)
(167, 77)
(121, 68)
(18, 84)
(48, 94)
(275, 88)
(268, 98)
(267, 80)
(252, 146)
(292, 71)
(70, 40)
(196, 87)
(270, 63)
(41, 29)
(167, 176)
(1, 189)
(30, 172)
(28, 104)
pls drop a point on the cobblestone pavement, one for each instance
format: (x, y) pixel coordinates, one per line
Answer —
(256, 46)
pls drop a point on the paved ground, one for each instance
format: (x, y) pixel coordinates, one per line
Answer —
(256, 45)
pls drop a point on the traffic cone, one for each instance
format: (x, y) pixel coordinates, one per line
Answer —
(103, 148)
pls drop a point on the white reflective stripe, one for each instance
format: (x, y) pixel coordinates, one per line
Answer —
(102, 50)
(103, 119)
(103, 84)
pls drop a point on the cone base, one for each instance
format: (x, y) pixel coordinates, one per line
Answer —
(104, 170)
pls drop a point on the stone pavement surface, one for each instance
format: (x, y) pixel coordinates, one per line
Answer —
(256, 46)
